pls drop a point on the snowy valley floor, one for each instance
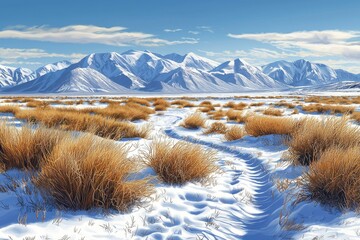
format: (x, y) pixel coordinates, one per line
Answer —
(251, 197)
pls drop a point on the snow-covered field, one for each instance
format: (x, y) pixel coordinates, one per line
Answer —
(249, 198)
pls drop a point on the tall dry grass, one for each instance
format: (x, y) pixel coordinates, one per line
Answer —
(323, 108)
(194, 121)
(180, 162)
(234, 133)
(315, 135)
(273, 112)
(86, 173)
(182, 103)
(26, 148)
(216, 127)
(76, 121)
(335, 178)
(265, 125)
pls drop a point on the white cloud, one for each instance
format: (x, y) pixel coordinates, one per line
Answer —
(172, 30)
(18, 53)
(114, 36)
(205, 29)
(194, 32)
(312, 43)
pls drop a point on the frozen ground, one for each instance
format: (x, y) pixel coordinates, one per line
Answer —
(250, 198)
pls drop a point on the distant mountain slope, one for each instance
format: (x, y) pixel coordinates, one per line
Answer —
(240, 73)
(151, 72)
(305, 73)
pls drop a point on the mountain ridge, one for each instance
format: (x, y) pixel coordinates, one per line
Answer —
(145, 71)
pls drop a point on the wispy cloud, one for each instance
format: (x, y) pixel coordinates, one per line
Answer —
(18, 53)
(172, 30)
(114, 36)
(194, 32)
(205, 29)
(312, 43)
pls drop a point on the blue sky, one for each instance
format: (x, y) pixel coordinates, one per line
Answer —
(33, 33)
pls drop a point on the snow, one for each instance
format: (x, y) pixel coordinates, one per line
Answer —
(145, 71)
(239, 202)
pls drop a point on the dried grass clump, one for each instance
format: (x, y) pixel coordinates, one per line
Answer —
(77, 121)
(130, 111)
(314, 136)
(180, 162)
(85, 173)
(356, 116)
(237, 116)
(9, 109)
(37, 104)
(182, 103)
(234, 133)
(273, 112)
(335, 178)
(216, 127)
(217, 115)
(161, 104)
(257, 104)
(140, 101)
(194, 121)
(284, 104)
(265, 125)
(235, 106)
(26, 148)
(333, 109)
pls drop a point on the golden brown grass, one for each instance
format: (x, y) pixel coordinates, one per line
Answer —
(356, 116)
(328, 108)
(37, 104)
(237, 116)
(85, 173)
(140, 101)
(194, 121)
(77, 121)
(9, 109)
(284, 104)
(217, 115)
(334, 179)
(257, 104)
(216, 127)
(234, 133)
(265, 125)
(130, 111)
(314, 136)
(333, 99)
(180, 162)
(161, 104)
(182, 103)
(273, 112)
(235, 106)
(26, 148)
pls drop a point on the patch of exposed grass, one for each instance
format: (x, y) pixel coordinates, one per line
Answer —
(234, 133)
(265, 125)
(180, 162)
(334, 179)
(216, 127)
(194, 121)
(314, 136)
(85, 173)
(273, 112)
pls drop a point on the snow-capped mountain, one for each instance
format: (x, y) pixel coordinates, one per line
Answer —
(240, 73)
(10, 76)
(305, 73)
(134, 71)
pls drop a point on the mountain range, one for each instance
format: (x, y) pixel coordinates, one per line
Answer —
(135, 71)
